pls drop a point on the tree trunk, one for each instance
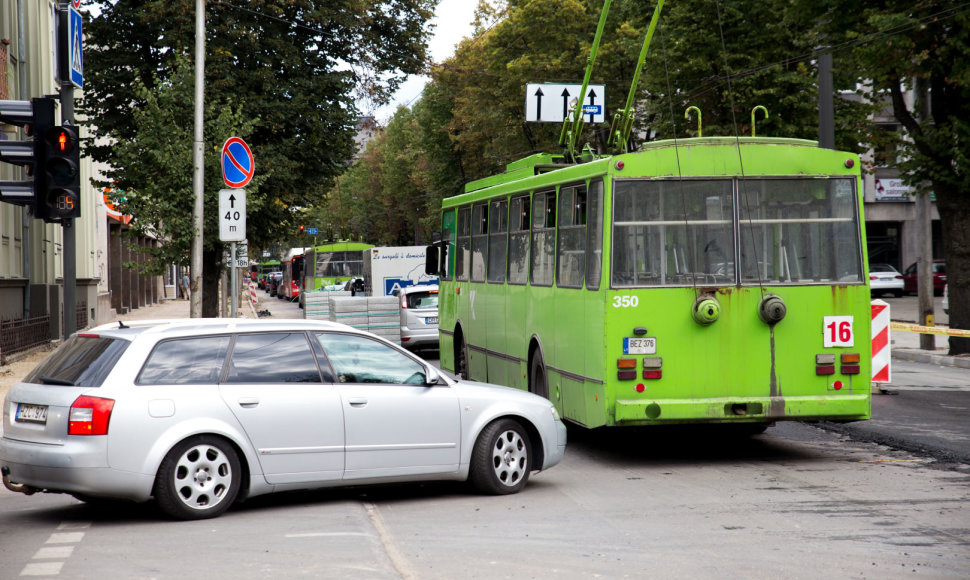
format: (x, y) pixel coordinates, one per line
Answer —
(211, 270)
(955, 221)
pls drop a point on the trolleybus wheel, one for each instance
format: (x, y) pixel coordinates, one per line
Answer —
(537, 376)
(501, 461)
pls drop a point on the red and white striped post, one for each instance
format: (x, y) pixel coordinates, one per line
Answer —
(881, 350)
(252, 294)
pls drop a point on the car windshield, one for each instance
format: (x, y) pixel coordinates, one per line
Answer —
(83, 361)
(423, 300)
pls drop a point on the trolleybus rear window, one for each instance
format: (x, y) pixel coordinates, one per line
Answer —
(687, 232)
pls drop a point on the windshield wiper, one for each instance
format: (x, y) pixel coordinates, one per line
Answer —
(46, 380)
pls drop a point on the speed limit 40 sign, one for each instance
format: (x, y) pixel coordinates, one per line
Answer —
(232, 215)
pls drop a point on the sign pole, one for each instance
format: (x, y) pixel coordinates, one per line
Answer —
(69, 233)
(198, 162)
(232, 277)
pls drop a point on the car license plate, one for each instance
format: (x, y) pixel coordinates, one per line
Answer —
(646, 345)
(32, 413)
(431, 320)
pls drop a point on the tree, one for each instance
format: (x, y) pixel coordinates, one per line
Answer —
(294, 67)
(898, 46)
(150, 180)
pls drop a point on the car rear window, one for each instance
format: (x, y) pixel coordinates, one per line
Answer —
(423, 300)
(83, 360)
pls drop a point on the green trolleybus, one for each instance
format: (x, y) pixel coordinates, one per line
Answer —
(718, 280)
(334, 263)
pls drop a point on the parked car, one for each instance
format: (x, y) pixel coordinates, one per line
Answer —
(939, 277)
(199, 413)
(884, 279)
(419, 316)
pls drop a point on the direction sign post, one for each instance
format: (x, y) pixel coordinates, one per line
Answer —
(551, 102)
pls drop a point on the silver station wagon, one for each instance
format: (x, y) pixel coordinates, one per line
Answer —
(199, 413)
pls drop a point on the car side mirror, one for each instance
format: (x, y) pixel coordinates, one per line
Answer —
(431, 261)
(432, 377)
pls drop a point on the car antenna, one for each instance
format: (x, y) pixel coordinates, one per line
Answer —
(121, 324)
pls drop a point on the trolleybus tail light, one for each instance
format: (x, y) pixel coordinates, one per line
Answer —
(620, 165)
(849, 163)
(90, 416)
(824, 364)
(850, 363)
(627, 369)
(652, 368)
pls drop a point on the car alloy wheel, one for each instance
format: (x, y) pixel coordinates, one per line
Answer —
(198, 479)
(501, 461)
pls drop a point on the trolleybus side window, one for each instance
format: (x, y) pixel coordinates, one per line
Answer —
(479, 241)
(543, 238)
(669, 232)
(498, 220)
(447, 243)
(519, 240)
(594, 228)
(799, 231)
(462, 255)
(572, 236)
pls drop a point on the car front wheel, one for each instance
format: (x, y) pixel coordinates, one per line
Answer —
(199, 478)
(501, 460)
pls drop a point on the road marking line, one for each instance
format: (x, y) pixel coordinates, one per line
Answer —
(74, 525)
(66, 538)
(326, 535)
(42, 569)
(54, 552)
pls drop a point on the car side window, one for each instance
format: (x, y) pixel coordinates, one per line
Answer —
(185, 361)
(272, 357)
(359, 359)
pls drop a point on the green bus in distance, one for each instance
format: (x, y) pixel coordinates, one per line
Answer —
(702, 280)
(332, 264)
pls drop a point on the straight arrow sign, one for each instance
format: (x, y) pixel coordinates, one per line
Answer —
(536, 112)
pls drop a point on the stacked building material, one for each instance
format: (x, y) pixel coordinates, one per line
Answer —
(379, 315)
(316, 304)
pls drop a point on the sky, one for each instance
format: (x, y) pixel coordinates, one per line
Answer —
(453, 22)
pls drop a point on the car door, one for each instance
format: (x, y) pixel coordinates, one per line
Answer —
(292, 416)
(394, 424)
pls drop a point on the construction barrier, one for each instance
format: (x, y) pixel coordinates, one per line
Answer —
(881, 350)
(252, 294)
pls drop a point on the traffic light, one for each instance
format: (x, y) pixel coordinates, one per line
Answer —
(59, 169)
(37, 117)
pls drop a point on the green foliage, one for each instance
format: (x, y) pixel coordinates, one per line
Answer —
(152, 178)
(283, 63)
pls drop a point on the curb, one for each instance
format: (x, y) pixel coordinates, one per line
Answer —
(922, 356)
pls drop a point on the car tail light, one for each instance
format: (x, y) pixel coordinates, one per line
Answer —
(90, 416)
(404, 300)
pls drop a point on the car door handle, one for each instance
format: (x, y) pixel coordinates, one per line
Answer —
(357, 402)
(248, 401)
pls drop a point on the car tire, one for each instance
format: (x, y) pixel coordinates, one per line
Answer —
(538, 382)
(502, 458)
(198, 479)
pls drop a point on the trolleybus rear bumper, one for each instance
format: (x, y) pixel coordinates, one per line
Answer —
(848, 407)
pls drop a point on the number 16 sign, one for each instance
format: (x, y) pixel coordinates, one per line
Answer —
(837, 331)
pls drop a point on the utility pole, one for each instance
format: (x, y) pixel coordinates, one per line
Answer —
(198, 162)
(69, 231)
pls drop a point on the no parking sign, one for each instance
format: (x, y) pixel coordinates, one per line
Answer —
(238, 164)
